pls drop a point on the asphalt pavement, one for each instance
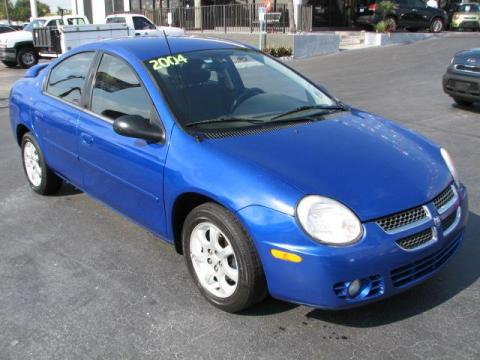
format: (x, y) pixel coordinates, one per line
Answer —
(78, 281)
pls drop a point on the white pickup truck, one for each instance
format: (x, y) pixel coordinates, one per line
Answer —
(51, 43)
(141, 25)
(16, 48)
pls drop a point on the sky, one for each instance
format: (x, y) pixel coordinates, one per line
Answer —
(64, 4)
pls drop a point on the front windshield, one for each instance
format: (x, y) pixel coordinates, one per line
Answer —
(34, 24)
(468, 8)
(233, 84)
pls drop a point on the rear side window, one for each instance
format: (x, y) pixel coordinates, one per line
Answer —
(116, 20)
(117, 91)
(76, 21)
(67, 79)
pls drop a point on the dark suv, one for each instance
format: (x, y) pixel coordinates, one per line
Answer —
(408, 14)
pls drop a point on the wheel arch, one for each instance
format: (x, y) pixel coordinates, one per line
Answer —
(435, 17)
(183, 205)
(23, 44)
(20, 131)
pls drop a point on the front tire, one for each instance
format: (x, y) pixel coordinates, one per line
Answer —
(391, 23)
(222, 259)
(41, 179)
(437, 25)
(462, 102)
(27, 57)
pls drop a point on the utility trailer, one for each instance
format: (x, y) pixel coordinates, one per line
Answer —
(51, 42)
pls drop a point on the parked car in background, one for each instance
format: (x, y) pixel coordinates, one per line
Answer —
(16, 48)
(462, 79)
(412, 15)
(141, 25)
(466, 16)
(264, 181)
(6, 28)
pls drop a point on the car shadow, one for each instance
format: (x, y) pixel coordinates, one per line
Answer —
(459, 274)
(269, 306)
(473, 108)
(67, 189)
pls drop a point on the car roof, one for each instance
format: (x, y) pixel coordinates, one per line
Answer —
(149, 47)
(58, 17)
(125, 14)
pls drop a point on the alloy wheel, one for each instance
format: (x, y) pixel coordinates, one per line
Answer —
(213, 259)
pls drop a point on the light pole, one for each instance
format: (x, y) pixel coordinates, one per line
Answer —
(33, 8)
(6, 11)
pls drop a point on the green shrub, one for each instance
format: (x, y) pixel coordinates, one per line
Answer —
(279, 52)
(381, 26)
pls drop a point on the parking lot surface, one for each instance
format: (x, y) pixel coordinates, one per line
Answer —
(78, 281)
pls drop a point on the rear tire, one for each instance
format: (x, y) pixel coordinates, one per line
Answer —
(27, 57)
(437, 25)
(222, 259)
(41, 179)
(462, 102)
(10, 64)
(392, 23)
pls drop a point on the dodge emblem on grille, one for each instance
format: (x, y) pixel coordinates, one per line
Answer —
(437, 221)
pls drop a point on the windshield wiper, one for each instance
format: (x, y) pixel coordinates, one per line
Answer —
(322, 109)
(225, 120)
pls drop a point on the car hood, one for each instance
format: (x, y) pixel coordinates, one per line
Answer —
(21, 35)
(467, 57)
(371, 165)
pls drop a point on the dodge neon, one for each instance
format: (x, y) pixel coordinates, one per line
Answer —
(265, 182)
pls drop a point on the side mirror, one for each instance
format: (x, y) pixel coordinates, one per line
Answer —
(137, 127)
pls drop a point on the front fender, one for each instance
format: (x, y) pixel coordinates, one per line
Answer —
(196, 167)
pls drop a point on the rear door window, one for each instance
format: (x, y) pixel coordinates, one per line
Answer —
(67, 79)
(116, 20)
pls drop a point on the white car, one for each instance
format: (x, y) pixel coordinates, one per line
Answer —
(141, 25)
(16, 48)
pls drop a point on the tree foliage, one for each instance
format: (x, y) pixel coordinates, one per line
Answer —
(20, 9)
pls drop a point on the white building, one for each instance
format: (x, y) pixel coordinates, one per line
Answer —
(97, 10)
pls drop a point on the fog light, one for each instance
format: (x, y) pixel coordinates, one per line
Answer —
(354, 288)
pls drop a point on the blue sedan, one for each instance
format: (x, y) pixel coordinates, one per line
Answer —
(265, 182)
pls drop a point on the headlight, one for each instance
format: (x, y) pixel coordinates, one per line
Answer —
(328, 221)
(448, 160)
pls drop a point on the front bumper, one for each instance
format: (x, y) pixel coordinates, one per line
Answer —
(368, 19)
(465, 24)
(317, 280)
(462, 86)
(8, 54)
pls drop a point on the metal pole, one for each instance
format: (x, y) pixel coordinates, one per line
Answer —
(33, 8)
(6, 11)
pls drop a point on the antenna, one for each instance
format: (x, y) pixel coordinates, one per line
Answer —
(168, 44)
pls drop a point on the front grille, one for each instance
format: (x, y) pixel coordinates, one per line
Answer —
(402, 219)
(449, 220)
(413, 241)
(418, 269)
(444, 197)
(468, 68)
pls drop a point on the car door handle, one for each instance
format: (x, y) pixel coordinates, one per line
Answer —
(86, 139)
(414, 10)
